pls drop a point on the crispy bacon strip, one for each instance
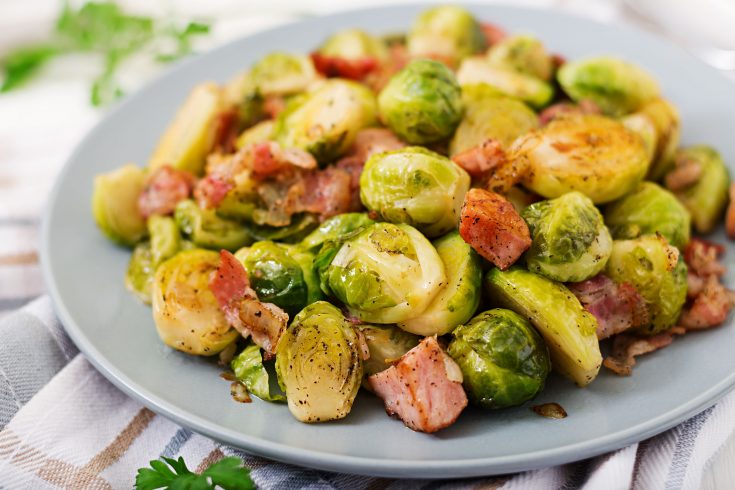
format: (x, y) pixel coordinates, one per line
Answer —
(709, 307)
(335, 66)
(164, 188)
(269, 159)
(701, 257)
(626, 347)
(211, 191)
(481, 159)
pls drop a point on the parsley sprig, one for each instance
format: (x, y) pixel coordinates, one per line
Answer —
(227, 474)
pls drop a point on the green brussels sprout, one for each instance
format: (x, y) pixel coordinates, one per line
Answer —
(325, 122)
(616, 86)
(707, 198)
(386, 344)
(657, 272)
(165, 238)
(282, 74)
(568, 329)
(475, 93)
(641, 125)
(319, 364)
(415, 186)
(422, 103)
(449, 33)
(520, 198)
(665, 119)
(305, 259)
(115, 204)
(592, 154)
(185, 311)
(458, 299)
(334, 228)
(301, 225)
(524, 54)
(570, 240)
(139, 275)
(353, 44)
(499, 118)
(648, 210)
(249, 370)
(208, 230)
(504, 361)
(529, 89)
(384, 273)
(260, 133)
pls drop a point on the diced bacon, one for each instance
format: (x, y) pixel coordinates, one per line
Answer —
(371, 141)
(211, 191)
(335, 66)
(617, 307)
(225, 130)
(695, 285)
(710, 307)
(326, 193)
(273, 105)
(269, 159)
(686, 173)
(423, 388)
(492, 226)
(164, 188)
(626, 347)
(730, 216)
(701, 257)
(493, 33)
(585, 106)
(479, 160)
(230, 284)
(264, 322)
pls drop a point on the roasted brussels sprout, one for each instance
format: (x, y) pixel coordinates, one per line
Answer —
(165, 238)
(706, 198)
(643, 127)
(115, 204)
(529, 89)
(594, 155)
(260, 133)
(190, 136)
(249, 370)
(281, 74)
(665, 119)
(385, 273)
(657, 272)
(301, 225)
(325, 122)
(504, 361)
(187, 315)
(334, 228)
(319, 364)
(648, 210)
(422, 103)
(386, 344)
(415, 186)
(353, 44)
(208, 230)
(139, 275)
(616, 86)
(449, 33)
(457, 300)
(568, 329)
(524, 54)
(570, 240)
(500, 118)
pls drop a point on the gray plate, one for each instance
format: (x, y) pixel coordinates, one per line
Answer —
(84, 273)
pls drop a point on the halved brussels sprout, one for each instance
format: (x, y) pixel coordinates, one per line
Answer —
(386, 344)
(707, 198)
(665, 119)
(504, 361)
(260, 133)
(458, 299)
(249, 370)
(527, 88)
(139, 275)
(354, 44)
(190, 136)
(319, 364)
(657, 272)
(415, 186)
(447, 32)
(301, 225)
(208, 230)
(282, 74)
(616, 86)
(325, 122)
(164, 237)
(570, 240)
(648, 210)
(522, 53)
(385, 273)
(641, 125)
(115, 204)
(187, 315)
(569, 329)
(334, 228)
(594, 155)
(422, 103)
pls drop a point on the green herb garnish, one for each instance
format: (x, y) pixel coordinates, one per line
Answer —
(228, 474)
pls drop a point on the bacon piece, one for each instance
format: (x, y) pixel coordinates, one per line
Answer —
(423, 388)
(211, 191)
(479, 160)
(265, 322)
(617, 307)
(163, 190)
(326, 193)
(626, 347)
(225, 132)
(559, 109)
(710, 306)
(230, 284)
(335, 66)
(269, 159)
(492, 226)
(730, 216)
(273, 105)
(686, 173)
(701, 257)
(492, 33)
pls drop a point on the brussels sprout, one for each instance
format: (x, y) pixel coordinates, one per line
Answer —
(641, 125)
(657, 272)
(707, 198)
(422, 103)
(568, 329)
(260, 133)
(301, 225)
(570, 240)
(319, 364)
(354, 44)
(164, 237)
(524, 54)
(520, 198)
(475, 93)
(386, 344)
(208, 230)
(616, 86)
(458, 299)
(499, 118)
(648, 210)
(190, 136)
(187, 315)
(449, 33)
(665, 119)
(415, 186)
(334, 228)
(474, 71)
(325, 122)
(504, 361)
(282, 74)
(592, 154)
(115, 204)
(384, 273)
(249, 370)
(305, 259)
(139, 276)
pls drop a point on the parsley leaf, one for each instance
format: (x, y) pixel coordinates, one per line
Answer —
(22, 64)
(228, 474)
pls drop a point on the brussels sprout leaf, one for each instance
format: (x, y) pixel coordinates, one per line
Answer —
(249, 370)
